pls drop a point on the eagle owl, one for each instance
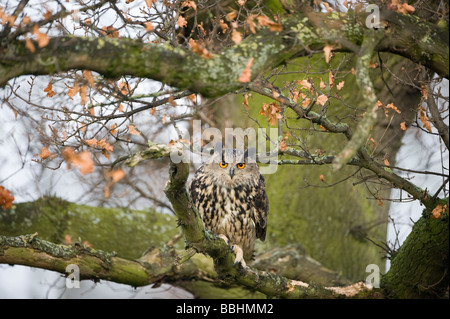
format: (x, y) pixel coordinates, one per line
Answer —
(229, 194)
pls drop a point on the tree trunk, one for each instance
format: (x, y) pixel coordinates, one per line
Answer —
(420, 267)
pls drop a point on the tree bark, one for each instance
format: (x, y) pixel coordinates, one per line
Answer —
(420, 267)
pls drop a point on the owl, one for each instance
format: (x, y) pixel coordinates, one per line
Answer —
(229, 193)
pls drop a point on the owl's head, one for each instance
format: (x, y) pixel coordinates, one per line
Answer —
(231, 167)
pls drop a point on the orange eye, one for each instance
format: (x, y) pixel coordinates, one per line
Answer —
(240, 165)
(223, 164)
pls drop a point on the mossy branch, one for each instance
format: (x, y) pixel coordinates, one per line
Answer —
(219, 75)
(361, 135)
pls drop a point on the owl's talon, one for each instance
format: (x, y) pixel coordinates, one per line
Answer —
(225, 238)
(239, 256)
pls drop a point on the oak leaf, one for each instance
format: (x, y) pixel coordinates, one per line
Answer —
(236, 36)
(6, 199)
(399, 6)
(247, 72)
(29, 45)
(305, 84)
(181, 22)
(403, 126)
(424, 119)
(148, 26)
(45, 153)
(132, 130)
(83, 160)
(49, 90)
(327, 52)
(322, 99)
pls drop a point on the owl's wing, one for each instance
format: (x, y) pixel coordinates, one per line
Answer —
(196, 184)
(261, 209)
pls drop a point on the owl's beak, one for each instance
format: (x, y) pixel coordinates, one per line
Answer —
(231, 172)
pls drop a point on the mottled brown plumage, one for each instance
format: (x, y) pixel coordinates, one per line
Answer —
(230, 197)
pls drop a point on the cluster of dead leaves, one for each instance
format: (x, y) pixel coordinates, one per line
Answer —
(104, 146)
(439, 211)
(305, 86)
(42, 40)
(110, 31)
(253, 22)
(199, 48)
(88, 81)
(68, 240)
(399, 6)
(283, 145)
(83, 160)
(388, 107)
(45, 153)
(49, 90)
(6, 199)
(424, 119)
(272, 112)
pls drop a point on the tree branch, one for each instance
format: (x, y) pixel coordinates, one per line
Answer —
(219, 75)
(371, 40)
(436, 118)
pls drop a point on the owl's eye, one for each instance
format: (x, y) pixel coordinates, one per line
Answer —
(223, 164)
(240, 165)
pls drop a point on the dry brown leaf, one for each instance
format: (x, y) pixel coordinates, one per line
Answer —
(199, 48)
(424, 119)
(223, 26)
(305, 102)
(322, 99)
(403, 126)
(132, 130)
(45, 153)
(403, 8)
(236, 36)
(331, 79)
(380, 202)
(42, 38)
(231, 16)
(29, 45)
(148, 27)
(6, 199)
(49, 90)
(83, 95)
(181, 22)
(189, 4)
(265, 21)
(247, 72)
(149, 3)
(438, 211)
(117, 175)
(393, 107)
(327, 52)
(305, 84)
(82, 159)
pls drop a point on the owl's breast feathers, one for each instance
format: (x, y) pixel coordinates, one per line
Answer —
(239, 211)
